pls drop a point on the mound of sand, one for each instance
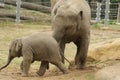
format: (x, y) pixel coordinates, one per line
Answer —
(109, 73)
(107, 50)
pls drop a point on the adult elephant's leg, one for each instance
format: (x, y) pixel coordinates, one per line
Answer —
(43, 67)
(58, 25)
(77, 57)
(58, 35)
(82, 50)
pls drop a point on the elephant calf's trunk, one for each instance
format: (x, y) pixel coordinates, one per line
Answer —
(8, 62)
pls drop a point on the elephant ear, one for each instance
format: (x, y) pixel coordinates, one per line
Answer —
(81, 14)
(80, 18)
(18, 46)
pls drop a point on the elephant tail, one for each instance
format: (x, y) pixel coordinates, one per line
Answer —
(61, 53)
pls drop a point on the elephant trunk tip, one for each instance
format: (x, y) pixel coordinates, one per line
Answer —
(4, 66)
(8, 62)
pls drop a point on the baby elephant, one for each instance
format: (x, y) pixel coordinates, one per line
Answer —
(36, 47)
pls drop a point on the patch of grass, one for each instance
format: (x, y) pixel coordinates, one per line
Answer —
(90, 76)
(97, 25)
(25, 25)
(112, 22)
(113, 26)
(10, 7)
(87, 75)
(26, 15)
(6, 23)
(3, 57)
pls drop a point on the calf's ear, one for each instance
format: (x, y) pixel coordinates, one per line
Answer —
(18, 45)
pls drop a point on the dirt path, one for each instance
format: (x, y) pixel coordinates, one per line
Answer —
(13, 74)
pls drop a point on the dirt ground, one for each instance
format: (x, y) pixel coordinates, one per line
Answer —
(14, 73)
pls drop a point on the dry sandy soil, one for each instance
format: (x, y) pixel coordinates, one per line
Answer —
(13, 72)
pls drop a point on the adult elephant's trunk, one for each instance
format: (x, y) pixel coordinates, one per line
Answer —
(8, 62)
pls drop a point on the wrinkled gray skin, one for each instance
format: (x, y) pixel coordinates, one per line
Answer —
(36, 47)
(71, 23)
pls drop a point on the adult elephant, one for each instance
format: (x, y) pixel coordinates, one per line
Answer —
(71, 23)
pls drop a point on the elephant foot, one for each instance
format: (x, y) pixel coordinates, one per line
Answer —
(73, 67)
(79, 67)
(66, 72)
(82, 67)
(55, 70)
(24, 75)
(40, 73)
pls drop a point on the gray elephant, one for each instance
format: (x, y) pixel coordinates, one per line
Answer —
(71, 23)
(36, 47)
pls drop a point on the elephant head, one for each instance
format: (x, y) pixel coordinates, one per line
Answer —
(14, 51)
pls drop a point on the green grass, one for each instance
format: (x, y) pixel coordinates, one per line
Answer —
(32, 16)
(90, 76)
(112, 26)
